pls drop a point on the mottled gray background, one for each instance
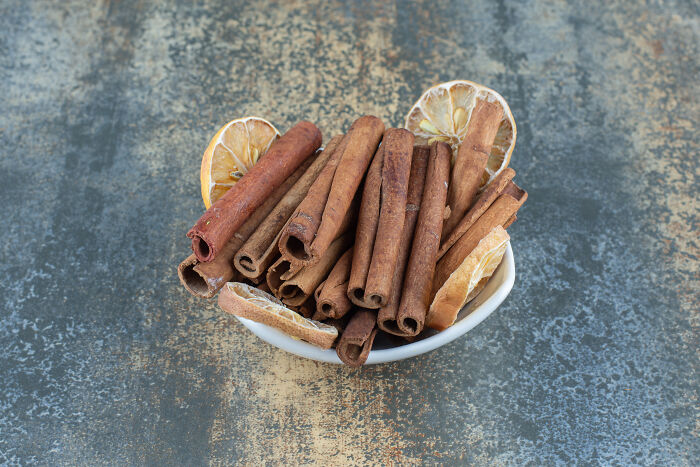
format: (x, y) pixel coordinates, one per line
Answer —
(105, 109)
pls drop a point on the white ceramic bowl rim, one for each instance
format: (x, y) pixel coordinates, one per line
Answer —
(462, 326)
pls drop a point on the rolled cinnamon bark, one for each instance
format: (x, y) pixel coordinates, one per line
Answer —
(482, 203)
(386, 318)
(218, 224)
(473, 155)
(205, 279)
(297, 289)
(397, 148)
(363, 138)
(296, 237)
(332, 300)
(499, 213)
(415, 293)
(358, 336)
(366, 231)
(275, 272)
(258, 252)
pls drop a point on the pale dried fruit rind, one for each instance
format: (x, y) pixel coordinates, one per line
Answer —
(442, 114)
(233, 150)
(249, 302)
(468, 279)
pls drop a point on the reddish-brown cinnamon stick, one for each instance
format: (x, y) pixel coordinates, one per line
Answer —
(366, 231)
(275, 273)
(426, 242)
(386, 318)
(397, 147)
(332, 300)
(218, 224)
(297, 289)
(499, 213)
(363, 138)
(358, 336)
(482, 203)
(297, 236)
(471, 161)
(205, 279)
(258, 252)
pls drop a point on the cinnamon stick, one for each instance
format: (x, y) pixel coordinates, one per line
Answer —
(310, 232)
(499, 213)
(297, 289)
(426, 242)
(397, 148)
(218, 224)
(332, 299)
(258, 252)
(471, 161)
(358, 336)
(366, 231)
(363, 138)
(205, 279)
(386, 318)
(296, 237)
(275, 272)
(482, 203)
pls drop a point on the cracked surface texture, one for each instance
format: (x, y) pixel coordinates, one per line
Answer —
(106, 109)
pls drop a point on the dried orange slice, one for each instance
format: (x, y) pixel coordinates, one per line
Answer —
(467, 280)
(442, 114)
(233, 150)
(249, 302)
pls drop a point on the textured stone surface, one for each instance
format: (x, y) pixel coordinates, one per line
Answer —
(106, 108)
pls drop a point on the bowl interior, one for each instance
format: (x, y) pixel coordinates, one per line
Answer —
(388, 348)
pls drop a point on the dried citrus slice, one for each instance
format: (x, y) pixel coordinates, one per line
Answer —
(248, 302)
(467, 280)
(442, 114)
(231, 153)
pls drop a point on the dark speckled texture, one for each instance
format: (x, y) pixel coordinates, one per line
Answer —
(105, 110)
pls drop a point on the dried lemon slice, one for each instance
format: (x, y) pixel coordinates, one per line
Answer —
(233, 150)
(248, 302)
(467, 280)
(442, 114)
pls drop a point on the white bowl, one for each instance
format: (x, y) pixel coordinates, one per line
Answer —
(384, 350)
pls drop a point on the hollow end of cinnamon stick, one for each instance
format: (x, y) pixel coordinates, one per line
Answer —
(357, 295)
(377, 300)
(290, 291)
(410, 326)
(353, 351)
(274, 274)
(390, 326)
(296, 248)
(193, 281)
(246, 262)
(201, 249)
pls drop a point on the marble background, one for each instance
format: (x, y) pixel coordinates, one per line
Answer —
(106, 108)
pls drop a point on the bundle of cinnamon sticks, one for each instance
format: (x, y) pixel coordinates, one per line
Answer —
(360, 234)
